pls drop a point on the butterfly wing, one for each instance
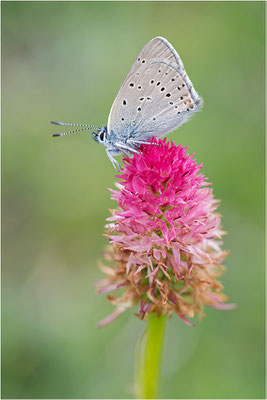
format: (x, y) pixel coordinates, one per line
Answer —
(156, 96)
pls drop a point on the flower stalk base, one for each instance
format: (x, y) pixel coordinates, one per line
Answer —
(149, 353)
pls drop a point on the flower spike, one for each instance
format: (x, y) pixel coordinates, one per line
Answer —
(165, 237)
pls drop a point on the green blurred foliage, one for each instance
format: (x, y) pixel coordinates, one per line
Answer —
(66, 61)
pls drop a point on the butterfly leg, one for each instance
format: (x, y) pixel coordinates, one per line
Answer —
(139, 142)
(115, 163)
(127, 148)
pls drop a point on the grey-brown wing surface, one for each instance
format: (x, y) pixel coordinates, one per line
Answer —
(156, 96)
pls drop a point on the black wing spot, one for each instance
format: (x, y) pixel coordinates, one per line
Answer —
(138, 59)
(141, 98)
(122, 119)
(152, 81)
(139, 109)
(149, 98)
(162, 89)
(168, 95)
(131, 84)
(124, 102)
(181, 98)
(171, 103)
(173, 79)
(158, 83)
(139, 87)
(154, 119)
(143, 61)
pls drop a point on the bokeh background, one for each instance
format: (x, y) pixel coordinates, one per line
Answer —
(66, 61)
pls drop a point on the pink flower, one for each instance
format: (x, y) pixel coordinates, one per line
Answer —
(165, 237)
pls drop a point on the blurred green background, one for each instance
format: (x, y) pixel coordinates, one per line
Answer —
(66, 61)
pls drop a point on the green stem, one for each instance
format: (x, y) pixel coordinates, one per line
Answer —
(149, 358)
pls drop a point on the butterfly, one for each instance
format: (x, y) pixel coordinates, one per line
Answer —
(155, 98)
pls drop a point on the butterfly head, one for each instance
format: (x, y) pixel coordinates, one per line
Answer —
(101, 136)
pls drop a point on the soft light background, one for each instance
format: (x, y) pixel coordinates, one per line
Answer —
(66, 61)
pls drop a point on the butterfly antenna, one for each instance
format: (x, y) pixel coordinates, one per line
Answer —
(68, 133)
(70, 124)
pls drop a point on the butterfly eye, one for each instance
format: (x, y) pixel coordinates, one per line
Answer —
(102, 136)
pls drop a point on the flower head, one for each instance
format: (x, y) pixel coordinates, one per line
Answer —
(165, 237)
